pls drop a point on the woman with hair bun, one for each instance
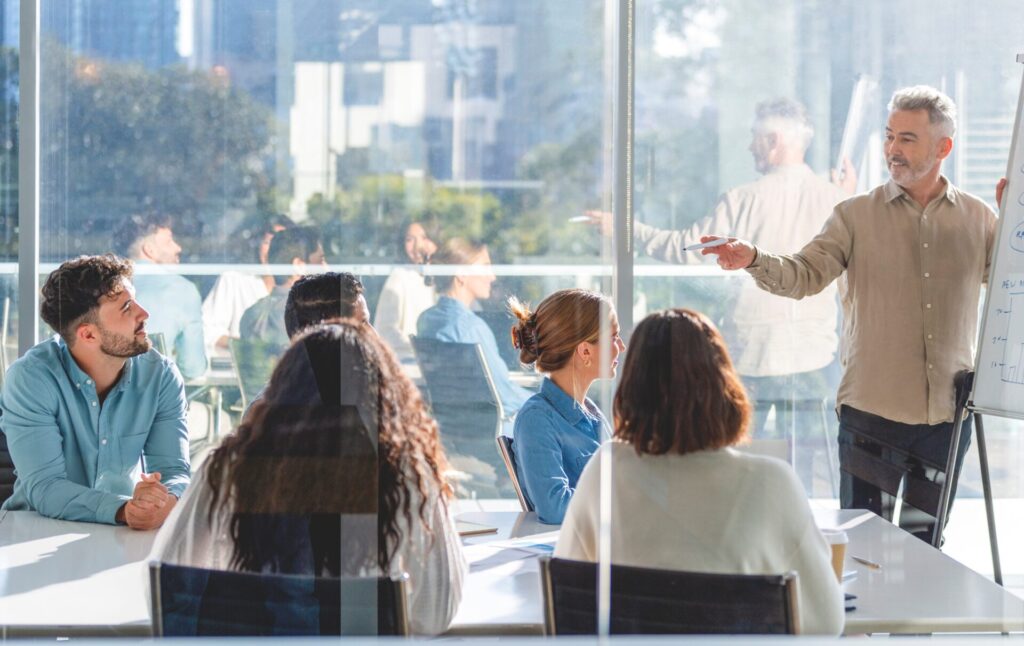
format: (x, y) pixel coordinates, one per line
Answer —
(559, 428)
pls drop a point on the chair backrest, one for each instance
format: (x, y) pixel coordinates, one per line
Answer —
(254, 362)
(6, 470)
(509, 457)
(665, 602)
(501, 322)
(466, 406)
(159, 342)
(191, 602)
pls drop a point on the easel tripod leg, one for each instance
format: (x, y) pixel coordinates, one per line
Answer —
(990, 513)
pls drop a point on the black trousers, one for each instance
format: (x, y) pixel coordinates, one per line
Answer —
(922, 448)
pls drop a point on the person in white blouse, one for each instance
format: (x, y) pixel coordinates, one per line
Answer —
(405, 295)
(336, 471)
(235, 291)
(681, 497)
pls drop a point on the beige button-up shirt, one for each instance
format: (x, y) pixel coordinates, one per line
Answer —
(780, 211)
(909, 281)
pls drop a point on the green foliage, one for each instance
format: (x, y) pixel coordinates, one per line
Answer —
(365, 221)
(119, 139)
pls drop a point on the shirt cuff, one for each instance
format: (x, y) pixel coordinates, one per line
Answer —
(107, 512)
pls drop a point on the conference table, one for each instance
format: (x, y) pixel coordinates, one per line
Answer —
(61, 578)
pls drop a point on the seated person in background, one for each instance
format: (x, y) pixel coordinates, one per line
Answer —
(682, 499)
(559, 428)
(337, 471)
(264, 321)
(234, 292)
(81, 409)
(453, 321)
(175, 309)
(328, 297)
(405, 295)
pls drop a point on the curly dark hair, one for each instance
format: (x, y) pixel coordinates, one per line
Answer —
(72, 292)
(340, 431)
(316, 298)
(679, 392)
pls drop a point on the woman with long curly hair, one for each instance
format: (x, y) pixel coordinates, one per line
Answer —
(336, 471)
(684, 499)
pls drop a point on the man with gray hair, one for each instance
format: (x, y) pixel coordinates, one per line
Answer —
(910, 258)
(784, 351)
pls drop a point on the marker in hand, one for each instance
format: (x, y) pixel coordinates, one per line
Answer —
(705, 245)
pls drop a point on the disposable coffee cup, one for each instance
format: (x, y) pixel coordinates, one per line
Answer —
(837, 541)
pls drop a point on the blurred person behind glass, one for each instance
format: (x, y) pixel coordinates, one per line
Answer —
(234, 292)
(264, 320)
(337, 471)
(173, 302)
(784, 349)
(452, 319)
(558, 429)
(405, 294)
(682, 498)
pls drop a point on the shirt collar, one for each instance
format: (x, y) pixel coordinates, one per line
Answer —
(560, 400)
(448, 302)
(892, 190)
(81, 378)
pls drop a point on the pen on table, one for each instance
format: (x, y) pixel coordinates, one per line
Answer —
(865, 562)
(704, 245)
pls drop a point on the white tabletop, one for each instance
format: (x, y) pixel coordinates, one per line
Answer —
(64, 578)
(917, 590)
(67, 578)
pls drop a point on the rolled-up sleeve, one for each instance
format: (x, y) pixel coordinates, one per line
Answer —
(29, 404)
(166, 448)
(811, 269)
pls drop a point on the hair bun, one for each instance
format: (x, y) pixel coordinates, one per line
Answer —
(524, 335)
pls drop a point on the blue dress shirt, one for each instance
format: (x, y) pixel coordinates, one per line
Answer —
(78, 460)
(553, 440)
(453, 322)
(176, 311)
(264, 320)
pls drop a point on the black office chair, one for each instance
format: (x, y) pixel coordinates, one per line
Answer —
(254, 362)
(6, 470)
(467, 409)
(647, 601)
(509, 457)
(194, 602)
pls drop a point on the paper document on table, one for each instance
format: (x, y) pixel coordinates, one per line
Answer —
(490, 555)
(536, 543)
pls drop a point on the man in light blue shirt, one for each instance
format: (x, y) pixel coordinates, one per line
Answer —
(175, 308)
(94, 418)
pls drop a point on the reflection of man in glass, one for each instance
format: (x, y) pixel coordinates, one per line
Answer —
(782, 347)
(264, 321)
(173, 301)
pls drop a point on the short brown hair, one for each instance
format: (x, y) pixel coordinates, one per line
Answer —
(72, 292)
(563, 320)
(679, 392)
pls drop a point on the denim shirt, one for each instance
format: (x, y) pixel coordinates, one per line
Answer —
(78, 460)
(554, 439)
(453, 322)
(176, 311)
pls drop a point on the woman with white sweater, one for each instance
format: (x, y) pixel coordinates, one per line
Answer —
(682, 498)
(336, 471)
